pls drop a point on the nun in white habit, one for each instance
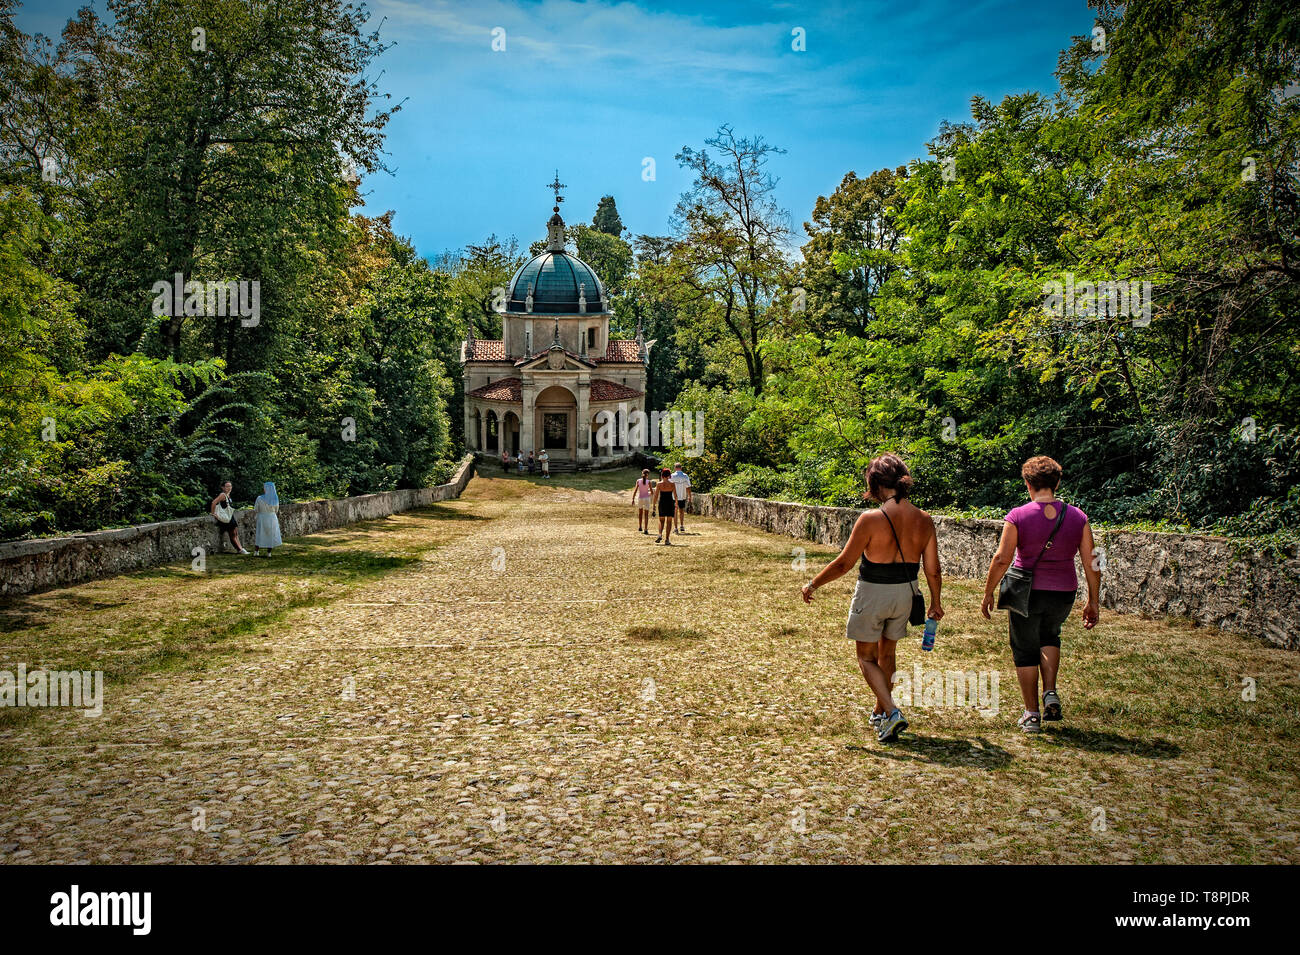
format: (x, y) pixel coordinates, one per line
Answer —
(268, 524)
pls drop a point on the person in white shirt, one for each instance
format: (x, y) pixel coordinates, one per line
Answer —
(544, 460)
(682, 488)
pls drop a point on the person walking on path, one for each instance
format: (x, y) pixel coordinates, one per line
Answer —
(519, 463)
(889, 544)
(642, 495)
(544, 460)
(665, 492)
(266, 510)
(222, 510)
(1041, 538)
(682, 492)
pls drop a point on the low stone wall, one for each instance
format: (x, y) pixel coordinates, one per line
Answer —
(1214, 581)
(28, 566)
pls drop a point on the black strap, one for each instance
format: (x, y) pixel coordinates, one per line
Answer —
(899, 544)
(1048, 543)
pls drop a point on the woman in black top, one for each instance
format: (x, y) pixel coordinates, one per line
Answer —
(226, 519)
(891, 542)
(664, 493)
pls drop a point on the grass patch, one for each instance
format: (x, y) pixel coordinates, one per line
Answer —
(170, 618)
(618, 481)
(665, 633)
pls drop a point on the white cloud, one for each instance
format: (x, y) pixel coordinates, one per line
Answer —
(656, 50)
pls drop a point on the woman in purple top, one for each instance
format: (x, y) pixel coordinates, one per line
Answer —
(1036, 638)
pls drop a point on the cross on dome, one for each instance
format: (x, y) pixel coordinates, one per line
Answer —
(555, 187)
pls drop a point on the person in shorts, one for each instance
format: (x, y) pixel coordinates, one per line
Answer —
(642, 496)
(889, 544)
(1032, 539)
(222, 510)
(544, 460)
(682, 493)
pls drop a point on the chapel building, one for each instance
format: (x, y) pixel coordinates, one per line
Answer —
(555, 368)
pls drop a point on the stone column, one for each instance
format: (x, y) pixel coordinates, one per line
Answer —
(471, 433)
(584, 421)
(527, 418)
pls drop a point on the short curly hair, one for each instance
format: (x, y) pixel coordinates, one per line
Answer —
(1041, 473)
(889, 471)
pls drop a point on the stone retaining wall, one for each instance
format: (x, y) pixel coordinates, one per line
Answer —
(1213, 581)
(28, 566)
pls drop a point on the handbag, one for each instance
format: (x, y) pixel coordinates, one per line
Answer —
(917, 616)
(225, 512)
(1013, 591)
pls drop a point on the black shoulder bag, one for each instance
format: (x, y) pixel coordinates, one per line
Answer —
(918, 602)
(1013, 592)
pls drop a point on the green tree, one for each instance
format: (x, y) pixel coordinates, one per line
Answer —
(852, 250)
(222, 134)
(728, 262)
(606, 219)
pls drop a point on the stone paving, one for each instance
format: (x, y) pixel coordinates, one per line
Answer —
(549, 686)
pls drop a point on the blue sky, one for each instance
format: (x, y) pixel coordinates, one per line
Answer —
(594, 88)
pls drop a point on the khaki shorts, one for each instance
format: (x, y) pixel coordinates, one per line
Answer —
(877, 609)
(643, 503)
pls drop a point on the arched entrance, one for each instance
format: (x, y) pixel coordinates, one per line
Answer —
(556, 425)
(510, 432)
(492, 444)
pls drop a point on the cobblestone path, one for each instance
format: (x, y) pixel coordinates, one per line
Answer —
(546, 685)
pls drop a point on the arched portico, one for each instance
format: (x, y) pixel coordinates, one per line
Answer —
(510, 432)
(555, 422)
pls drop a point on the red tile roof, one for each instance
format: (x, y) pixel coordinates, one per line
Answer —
(487, 350)
(505, 389)
(622, 349)
(602, 390)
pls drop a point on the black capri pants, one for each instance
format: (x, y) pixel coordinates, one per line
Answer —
(1048, 609)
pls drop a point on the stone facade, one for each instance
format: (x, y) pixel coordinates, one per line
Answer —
(28, 566)
(1213, 581)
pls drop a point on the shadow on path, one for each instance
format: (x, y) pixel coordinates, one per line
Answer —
(1100, 741)
(979, 753)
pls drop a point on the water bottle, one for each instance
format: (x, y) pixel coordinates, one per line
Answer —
(931, 628)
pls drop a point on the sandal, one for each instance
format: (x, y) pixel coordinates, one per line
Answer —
(1030, 723)
(1051, 706)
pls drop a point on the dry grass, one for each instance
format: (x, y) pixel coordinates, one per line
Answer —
(536, 681)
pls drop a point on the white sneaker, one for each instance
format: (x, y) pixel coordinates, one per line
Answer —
(244, 552)
(891, 726)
